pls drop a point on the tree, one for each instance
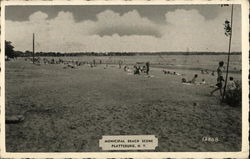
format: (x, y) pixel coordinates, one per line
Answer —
(9, 49)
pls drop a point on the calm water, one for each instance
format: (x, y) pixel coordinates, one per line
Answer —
(183, 61)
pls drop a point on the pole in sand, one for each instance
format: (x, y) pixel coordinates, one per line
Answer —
(229, 50)
(33, 48)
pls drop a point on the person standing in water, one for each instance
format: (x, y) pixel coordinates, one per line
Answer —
(220, 78)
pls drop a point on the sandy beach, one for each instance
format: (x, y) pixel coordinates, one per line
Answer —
(68, 110)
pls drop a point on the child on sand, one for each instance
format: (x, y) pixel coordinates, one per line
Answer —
(231, 92)
(220, 78)
(231, 84)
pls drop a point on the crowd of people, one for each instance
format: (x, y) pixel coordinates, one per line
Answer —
(145, 68)
(137, 69)
(172, 73)
(66, 63)
(230, 86)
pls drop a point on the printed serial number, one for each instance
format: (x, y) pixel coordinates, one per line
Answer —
(210, 139)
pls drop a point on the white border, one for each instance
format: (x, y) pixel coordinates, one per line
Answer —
(245, 91)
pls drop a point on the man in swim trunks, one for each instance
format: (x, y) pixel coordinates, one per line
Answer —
(220, 78)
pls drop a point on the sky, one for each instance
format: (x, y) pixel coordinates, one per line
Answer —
(122, 28)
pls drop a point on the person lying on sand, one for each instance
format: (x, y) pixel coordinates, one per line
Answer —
(127, 69)
(165, 72)
(184, 81)
(171, 73)
(178, 74)
(204, 71)
(69, 66)
(193, 81)
(203, 81)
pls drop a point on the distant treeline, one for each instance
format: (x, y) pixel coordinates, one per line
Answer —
(28, 53)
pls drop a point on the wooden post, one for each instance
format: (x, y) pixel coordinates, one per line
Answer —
(228, 57)
(33, 48)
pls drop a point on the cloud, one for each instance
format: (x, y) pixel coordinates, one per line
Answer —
(186, 18)
(188, 29)
(38, 17)
(111, 31)
(130, 23)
